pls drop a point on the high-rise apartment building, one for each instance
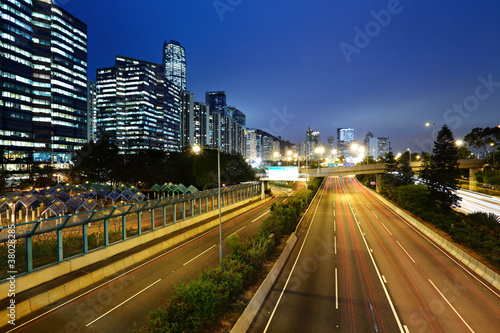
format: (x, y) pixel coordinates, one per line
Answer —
(187, 119)
(91, 110)
(174, 62)
(43, 81)
(137, 106)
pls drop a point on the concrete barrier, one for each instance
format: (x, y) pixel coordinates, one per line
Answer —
(25, 307)
(487, 274)
(253, 307)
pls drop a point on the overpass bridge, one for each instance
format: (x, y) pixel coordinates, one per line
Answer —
(379, 168)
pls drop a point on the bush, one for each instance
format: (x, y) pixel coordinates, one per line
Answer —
(198, 304)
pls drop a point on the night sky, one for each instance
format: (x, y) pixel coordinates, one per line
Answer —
(382, 66)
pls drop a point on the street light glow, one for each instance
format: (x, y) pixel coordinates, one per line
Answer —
(459, 143)
(354, 147)
(196, 149)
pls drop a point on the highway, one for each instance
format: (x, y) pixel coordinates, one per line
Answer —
(121, 302)
(478, 202)
(358, 267)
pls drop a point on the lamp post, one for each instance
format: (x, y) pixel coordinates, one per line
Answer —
(319, 151)
(433, 132)
(197, 149)
(409, 150)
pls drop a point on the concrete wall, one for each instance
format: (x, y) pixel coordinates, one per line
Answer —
(23, 283)
(487, 274)
(253, 307)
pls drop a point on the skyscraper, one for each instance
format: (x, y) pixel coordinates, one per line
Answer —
(43, 81)
(216, 100)
(137, 106)
(174, 62)
(345, 137)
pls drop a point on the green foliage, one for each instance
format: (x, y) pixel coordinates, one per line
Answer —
(479, 231)
(198, 304)
(442, 173)
(100, 162)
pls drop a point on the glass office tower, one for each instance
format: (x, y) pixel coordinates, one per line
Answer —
(43, 84)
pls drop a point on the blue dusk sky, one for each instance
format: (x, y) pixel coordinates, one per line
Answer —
(382, 66)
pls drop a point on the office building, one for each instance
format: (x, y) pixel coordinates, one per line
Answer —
(216, 100)
(345, 138)
(174, 62)
(43, 69)
(138, 107)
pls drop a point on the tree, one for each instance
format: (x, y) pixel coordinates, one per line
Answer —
(442, 173)
(405, 172)
(391, 163)
(478, 138)
(98, 162)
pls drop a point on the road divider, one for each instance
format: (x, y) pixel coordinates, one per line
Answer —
(26, 304)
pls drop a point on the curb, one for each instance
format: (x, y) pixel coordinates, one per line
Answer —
(487, 274)
(51, 296)
(253, 307)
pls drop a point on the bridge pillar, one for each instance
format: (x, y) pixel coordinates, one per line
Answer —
(378, 182)
(472, 178)
(263, 189)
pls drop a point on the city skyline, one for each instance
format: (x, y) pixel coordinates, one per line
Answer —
(386, 67)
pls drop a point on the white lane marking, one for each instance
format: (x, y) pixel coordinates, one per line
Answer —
(336, 291)
(187, 262)
(383, 278)
(255, 219)
(386, 228)
(437, 247)
(406, 252)
(125, 301)
(192, 241)
(406, 329)
(398, 321)
(236, 231)
(294, 264)
(375, 214)
(335, 239)
(451, 306)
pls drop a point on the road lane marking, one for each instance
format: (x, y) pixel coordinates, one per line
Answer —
(236, 231)
(375, 214)
(255, 219)
(406, 329)
(336, 291)
(137, 268)
(383, 278)
(335, 239)
(296, 260)
(386, 228)
(451, 306)
(406, 252)
(396, 317)
(187, 262)
(125, 301)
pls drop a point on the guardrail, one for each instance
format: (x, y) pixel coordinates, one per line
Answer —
(53, 240)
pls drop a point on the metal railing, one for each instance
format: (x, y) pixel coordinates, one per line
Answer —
(53, 240)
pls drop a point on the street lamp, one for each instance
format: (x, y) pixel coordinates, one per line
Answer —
(433, 132)
(276, 154)
(409, 160)
(319, 150)
(197, 149)
(459, 143)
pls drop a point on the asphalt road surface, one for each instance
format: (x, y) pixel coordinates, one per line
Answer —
(124, 301)
(358, 267)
